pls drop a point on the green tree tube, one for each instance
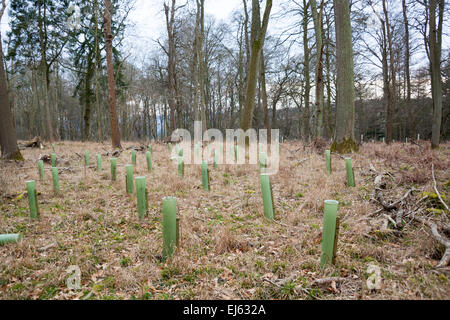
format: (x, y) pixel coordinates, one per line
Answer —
(86, 158)
(181, 166)
(328, 159)
(55, 177)
(236, 153)
(113, 162)
(180, 152)
(196, 148)
(169, 224)
(262, 160)
(178, 232)
(32, 199)
(148, 156)
(350, 173)
(10, 238)
(133, 157)
(129, 178)
(205, 176)
(141, 196)
(266, 190)
(216, 165)
(41, 170)
(329, 232)
(53, 159)
(150, 149)
(99, 162)
(53, 147)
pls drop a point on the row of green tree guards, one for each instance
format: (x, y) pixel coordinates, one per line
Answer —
(169, 209)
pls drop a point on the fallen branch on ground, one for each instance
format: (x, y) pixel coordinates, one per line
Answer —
(436, 189)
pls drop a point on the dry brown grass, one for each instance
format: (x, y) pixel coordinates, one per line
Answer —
(227, 248)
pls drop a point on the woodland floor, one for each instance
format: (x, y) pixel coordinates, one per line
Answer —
(228, 249)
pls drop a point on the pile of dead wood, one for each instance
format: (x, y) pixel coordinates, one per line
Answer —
(408, 209)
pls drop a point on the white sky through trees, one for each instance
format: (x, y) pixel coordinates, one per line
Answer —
(146, 24)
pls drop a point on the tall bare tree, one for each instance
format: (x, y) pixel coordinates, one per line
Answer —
(318, 28)
(344, 139)
(434, 55)
(393, 89)
(115, 135)
(8, 138)
(407, 71)
(258, 34)
(306, 72)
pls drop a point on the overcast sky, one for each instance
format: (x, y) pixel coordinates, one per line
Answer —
(147, 22)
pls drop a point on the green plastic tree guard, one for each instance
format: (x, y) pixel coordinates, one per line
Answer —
(10, 238)
(180, 152)
(266, 190)
(262, 160)
(129, 178)
(53, 147)
(32, 199)
(328, 159)
(181, 166)
(329, 232)
(236, 150)
(53, 159)
(178, 232)
(113, 162)
(148, 156)
(41, 170)
(196, 149)
(350, 173)
(86, 158)
(150, 149)
(55, 177)
(99, 162)
(169, 224)
(216, 165)
(205, 176)
(141, 197)
(133, 157)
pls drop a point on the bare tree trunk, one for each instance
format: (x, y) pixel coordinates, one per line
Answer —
(393, 95)
(256, 46)
(328, 123)
(344, 140)
(202, 64)
(408, 72)
(111, 81)
(435, 45)
(306, 55)
(318, 26)
(44, 70)
(8, 138)
(97, 87)
(264, 97)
